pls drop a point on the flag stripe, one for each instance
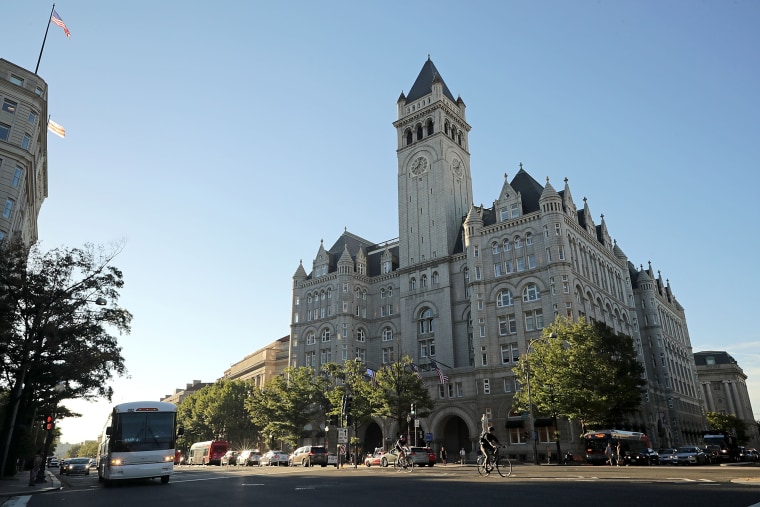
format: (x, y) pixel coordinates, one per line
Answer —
(56, 129)
(55, 18)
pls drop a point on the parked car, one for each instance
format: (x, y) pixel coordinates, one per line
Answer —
(643, 457)
(689, 456)
(274, 458)
(52, 462)
(666, 455)
(381, 458)
(422, 456)
(746, 454)
(309, 455)
(77, 466)
(229, 458)
(249, 457)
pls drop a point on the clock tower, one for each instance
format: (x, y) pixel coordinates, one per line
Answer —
(434, 181)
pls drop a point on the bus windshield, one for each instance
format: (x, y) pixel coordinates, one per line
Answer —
(142, 431)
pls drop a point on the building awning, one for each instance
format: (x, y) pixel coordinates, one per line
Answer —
(514, 423)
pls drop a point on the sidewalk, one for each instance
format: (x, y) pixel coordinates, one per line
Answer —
(18, 485)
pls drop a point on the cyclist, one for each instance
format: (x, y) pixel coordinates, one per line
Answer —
(400, 444)
(488, 445)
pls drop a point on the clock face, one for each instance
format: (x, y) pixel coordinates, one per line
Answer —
(456, 166)
(419, 166)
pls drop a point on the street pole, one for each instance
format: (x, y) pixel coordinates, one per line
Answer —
(530, 409)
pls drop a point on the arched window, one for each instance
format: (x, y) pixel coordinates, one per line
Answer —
(408, 137)
(310, 339)
(528, 238)
(382, 293)
(412, 284)
(419, 132)
(518, 242)
(505, 245)
(308, 297)
(361, 335)
(387, 334)
(495, 248)
(426, 321)
(430, 127)
(436, 278)
(423, 281)
(446, 128)
(504, 298)
(531, 293)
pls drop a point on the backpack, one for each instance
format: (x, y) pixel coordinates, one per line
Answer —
(484, 438)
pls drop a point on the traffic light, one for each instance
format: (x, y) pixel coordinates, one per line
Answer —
(349, 417)
(47, 423)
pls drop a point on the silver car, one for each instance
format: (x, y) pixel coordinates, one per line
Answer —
(77, 466)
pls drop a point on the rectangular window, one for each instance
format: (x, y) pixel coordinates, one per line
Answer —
(515, 209)
(511, 323)
(486, 386)
(557, 229)
(450, 388)
(508, 267)
(476, 251)
(497, 269)
(382, 311)
(38, 91)
(509, 384)
(17, 80)
(5, 131)
(460, 391)
(562, 253)
(516, 436)
(477, 273)
(521, 264)
(482, 331)
(344, 352)
(504, 214)
(532, 261)
(534, 320)
(16, 177)
(9, 106)
(8, 208)
(388, 355)
(311, 358)
(32, 117)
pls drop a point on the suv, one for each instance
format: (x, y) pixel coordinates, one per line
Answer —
(229, 458)
(309, 455)
(249, 457)
(422, 456)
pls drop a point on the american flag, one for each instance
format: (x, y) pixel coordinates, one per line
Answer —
(55, 18)
(415, 370)
(56, 129)
(371, 374)
(443, 378)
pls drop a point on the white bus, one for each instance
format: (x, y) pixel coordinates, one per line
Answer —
(138, 442)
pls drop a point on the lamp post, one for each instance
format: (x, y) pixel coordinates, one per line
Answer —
(530, 398)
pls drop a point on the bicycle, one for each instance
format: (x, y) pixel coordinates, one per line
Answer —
(404, 463)
(501, 464)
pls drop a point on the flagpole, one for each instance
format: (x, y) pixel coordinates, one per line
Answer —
(44, 39)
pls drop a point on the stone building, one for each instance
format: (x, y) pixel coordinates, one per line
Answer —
(724, 386)
(470, 286)
(23, 151)
(262, 365)
(180, 394)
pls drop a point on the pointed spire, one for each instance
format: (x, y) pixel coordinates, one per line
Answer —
(423, 85)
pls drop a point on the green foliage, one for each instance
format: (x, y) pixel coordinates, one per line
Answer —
(399, 387)
(581, 371)
(730, 424)
(218, 411)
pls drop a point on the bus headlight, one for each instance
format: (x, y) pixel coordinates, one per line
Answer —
(169, 458)
(116, 462)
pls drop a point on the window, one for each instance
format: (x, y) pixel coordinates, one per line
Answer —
(390, 292)
(476, 251)
(426, 321)
(9, 106)
(507, 325)
(518, 242)
(515, 210)
(531, 293)
(16, 177)
(310, 339)
(508, 267)
(521, 264)
(325, 356)
(388, 355)
(26, 141)
(534, 320)
(311, 358)
(423, 281)
(450, 390)
(427, 348)
(326, 335)
(557, 229)
(5, 130)
(486, 386)
(17, 80)
(506, 246)
(412, 284)
(509, 353)
(459, 390)
(516, 436)
(495, 248)
(387, 267)
(529, 239)
(436, 278)
(504, 298)
(32, 117)
(497, 269)
(344, 352)
(361, 335)
(504, 214)
(8, 208)
(38, 91)
(361, 355)
(531, 261)
(387, 334)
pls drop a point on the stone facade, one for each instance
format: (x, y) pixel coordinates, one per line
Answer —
(23, 151)
(470, 286)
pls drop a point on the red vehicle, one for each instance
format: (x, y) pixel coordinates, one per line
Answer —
(207, 453)
(596, 443)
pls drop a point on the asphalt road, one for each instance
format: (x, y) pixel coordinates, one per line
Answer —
(530, 485)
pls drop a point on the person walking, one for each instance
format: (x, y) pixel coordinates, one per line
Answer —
(608, 453)
(443, 455)
(461, 456)
(36, 462)
(619, 455)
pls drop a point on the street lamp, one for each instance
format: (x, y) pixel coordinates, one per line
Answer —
(530, 399)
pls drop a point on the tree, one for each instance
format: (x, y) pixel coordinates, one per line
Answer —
(287, 403)
(581, 371)
(400, 386)
(58, 311)
(218, 411)
(730, 424)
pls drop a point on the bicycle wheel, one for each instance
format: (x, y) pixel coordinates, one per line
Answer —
(504, 466)
(481, 463)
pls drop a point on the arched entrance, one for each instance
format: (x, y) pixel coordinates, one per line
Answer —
(373, 437)
(455, 435)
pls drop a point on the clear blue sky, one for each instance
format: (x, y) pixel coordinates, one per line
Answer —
(223, 140)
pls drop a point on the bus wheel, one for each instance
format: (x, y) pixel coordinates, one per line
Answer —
(164, 479)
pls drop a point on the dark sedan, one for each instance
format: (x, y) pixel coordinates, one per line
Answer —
(644, 457)
(77, 466)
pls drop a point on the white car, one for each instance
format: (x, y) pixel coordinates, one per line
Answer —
(274, 458)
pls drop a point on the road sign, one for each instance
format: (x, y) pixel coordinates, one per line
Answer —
(342, 435)
(428, 437)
